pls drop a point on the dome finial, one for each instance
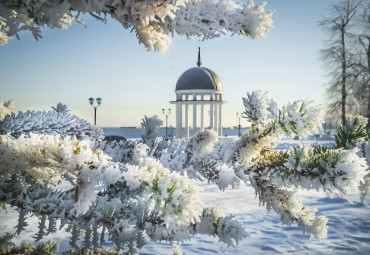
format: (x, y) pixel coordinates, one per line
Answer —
(199, 62)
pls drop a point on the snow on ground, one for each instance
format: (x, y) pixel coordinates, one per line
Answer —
(349, 226)
(349, 222)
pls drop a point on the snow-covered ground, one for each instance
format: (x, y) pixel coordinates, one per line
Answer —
(349, 226)
(349, 222)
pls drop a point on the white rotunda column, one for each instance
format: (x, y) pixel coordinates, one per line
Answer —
(178, 120)
(220, 119)
(216, 123)
(202, 112)
(211, 116)
(186, 120)
(194, 117)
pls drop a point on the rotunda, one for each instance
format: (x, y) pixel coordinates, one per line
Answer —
(200, 88)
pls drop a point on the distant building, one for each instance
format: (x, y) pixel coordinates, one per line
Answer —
(200, 88)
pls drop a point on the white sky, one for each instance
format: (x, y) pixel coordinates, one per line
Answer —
(105, 60)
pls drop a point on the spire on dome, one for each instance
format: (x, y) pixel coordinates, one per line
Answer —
(199, 63)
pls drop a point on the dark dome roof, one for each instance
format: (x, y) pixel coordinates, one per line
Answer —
(199, 78)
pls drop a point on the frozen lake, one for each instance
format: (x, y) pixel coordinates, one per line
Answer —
(133, 132)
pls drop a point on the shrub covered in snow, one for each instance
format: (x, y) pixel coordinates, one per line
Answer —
(129, 189)
(151, 126)
(117, 187)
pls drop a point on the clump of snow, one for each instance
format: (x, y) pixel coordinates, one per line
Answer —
(367, 151)
(201, 143)
(257, 107)
(3, 38)
(7, 106)
(45, 157)
(300, 118)
(151, 125)
(173, 194)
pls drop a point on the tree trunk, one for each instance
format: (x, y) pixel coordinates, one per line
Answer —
(368, 108)
(344, 76)
(368, 85)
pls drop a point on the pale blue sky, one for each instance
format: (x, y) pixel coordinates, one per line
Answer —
(105, 60)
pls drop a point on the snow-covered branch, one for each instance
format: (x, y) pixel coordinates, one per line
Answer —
(50, 122)
(290, 209)
(305, 167)
(153, 20)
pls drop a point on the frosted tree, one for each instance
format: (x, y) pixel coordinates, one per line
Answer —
(60, 108)
(338, 54)
(153, 20)
(361, 65)
(151, 126)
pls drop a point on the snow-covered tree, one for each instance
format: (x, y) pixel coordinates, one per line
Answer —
(60, 108)
(361, 65)
(151, 126)
(153, 20)
(347, 57)
(124, 189)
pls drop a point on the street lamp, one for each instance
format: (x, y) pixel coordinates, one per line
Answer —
(168, 112)
(237, 115)
(98, 101)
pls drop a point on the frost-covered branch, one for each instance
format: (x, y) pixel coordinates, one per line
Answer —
(352, 133)
(50, 122)
(305, 167)
(153, 20)
(273, 172)
(290, 209)
(45, 158)
(269, 124)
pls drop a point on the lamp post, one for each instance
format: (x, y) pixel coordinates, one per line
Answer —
(237, 115)
(98, 101)
(168, 112)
